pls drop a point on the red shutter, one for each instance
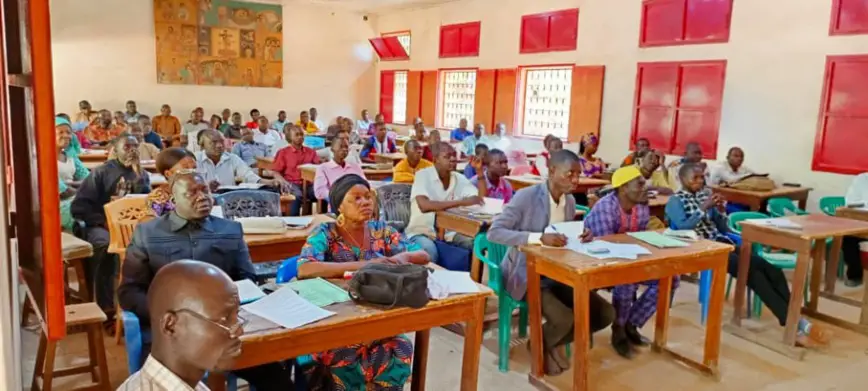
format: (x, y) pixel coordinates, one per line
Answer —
(708, 20)
(504, 98)
(395, 47)
(662, 22)
(483, 106)
(450, 41)
(460, 40)
(700, 97)
(380, 47)
(563, 30)
(656, 90)
(387, 92)
(534, 33)
(469, 44)
(679, 22)
(586, 101)
(849, 17)
(841, 133)
(428, 101)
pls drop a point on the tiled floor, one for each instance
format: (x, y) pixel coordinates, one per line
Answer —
(744, 365)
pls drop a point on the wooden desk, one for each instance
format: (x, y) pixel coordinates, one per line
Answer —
(75, 251)
(815, 229)
(264, 163)
(265, 342)
(390, 158)
(585, 274)
(756, 199)
(585, 184)
(93, 155)
(275, 247)
(464, 223)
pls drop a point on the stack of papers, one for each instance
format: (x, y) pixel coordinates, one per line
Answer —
(297, 222)
(287, 308)
(657, 240)
(248, 292)
(319, 291)
(491, 207)
(601, 249)
(243, 186)
(781, 222)
(442, 283)
(571, 229)
(686, 234)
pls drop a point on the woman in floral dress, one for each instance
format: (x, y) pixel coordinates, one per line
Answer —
(170, 161)
(592, 166)
(354, 240)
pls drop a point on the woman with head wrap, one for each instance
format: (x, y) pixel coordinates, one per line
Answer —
(70, 170)
(170, 161)
(592, 166)
(353, 240)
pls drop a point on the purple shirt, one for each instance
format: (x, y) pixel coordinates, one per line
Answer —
(606, 217)
(503, 191)
(329, 172)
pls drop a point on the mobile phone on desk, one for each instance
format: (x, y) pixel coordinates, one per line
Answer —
(789, 184)
(856, 205)
(598, 251)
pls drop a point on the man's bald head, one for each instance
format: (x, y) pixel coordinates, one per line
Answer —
(192, 306)
(191, 195)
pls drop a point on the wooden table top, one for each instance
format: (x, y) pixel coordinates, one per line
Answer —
(291, 235)
(852, 213)
(575, 263)
(89, 155)
(814, 226)
(73, 247)
(779, 192)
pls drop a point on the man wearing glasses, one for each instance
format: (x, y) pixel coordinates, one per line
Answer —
(190, 232)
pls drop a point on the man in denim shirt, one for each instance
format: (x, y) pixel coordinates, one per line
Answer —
(190, 232)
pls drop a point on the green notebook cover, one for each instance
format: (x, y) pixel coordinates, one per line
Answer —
(657, 239)
(319, 291)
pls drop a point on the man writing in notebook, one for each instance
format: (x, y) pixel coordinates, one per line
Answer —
(190, 232)
(626, 210)
(523, 222)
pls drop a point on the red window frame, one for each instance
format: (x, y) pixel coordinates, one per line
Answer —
(693, 27)
(397, 34)
(389, 49)
(841, 136)
(467, 41)
(680, 106)
(387, 94)
(565, 23)
(841, 9)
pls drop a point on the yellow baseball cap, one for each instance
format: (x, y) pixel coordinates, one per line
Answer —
(624, 175)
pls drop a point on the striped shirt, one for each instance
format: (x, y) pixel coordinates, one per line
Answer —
(154, 376)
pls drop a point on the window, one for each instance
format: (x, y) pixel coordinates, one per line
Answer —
(460, 40)
(841, 136)
(393, 96)
(678, 22)
(456, 102)
(403, 39)
(546, 103)
(849, 17)
(548, 32)
(677, 103)
(390, 48)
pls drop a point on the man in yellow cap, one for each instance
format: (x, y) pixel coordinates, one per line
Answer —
(626, 210)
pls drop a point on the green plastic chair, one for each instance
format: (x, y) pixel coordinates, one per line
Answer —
(778, 207)
(583, 209)
(830, 204)
(492, 254)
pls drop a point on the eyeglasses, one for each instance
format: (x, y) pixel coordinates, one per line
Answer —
(234, 329)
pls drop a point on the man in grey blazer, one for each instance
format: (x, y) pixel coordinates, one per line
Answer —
(523, 222)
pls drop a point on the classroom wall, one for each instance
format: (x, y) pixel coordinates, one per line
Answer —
(776, 60)
(104, 51)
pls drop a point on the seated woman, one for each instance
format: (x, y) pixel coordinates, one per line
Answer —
(695, 207)
(169, 162)
(592, 166)
(345, 246)
(552, 144)
(70, 171)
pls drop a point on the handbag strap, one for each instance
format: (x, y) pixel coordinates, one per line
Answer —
(398, 287)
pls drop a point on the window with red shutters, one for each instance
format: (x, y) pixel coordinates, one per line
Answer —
(460, 40)
(393, 96)
(680, 22)
(549, 32)
(389, 48)
(849, 17)
(677, 103)
(842, 132)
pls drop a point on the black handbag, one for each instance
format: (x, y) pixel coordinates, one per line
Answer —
(390, 285)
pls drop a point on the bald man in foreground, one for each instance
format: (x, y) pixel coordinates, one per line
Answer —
(195, 324)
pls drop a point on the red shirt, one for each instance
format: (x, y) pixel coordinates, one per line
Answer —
(427, 153)
(288, 159)
(252, 125)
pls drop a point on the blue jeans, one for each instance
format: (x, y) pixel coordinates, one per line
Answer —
(295, 190)
(429, 247)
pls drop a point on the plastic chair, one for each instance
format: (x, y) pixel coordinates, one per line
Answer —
(830, 204)
(287, 271)
(583, 209)
(394, 200)
(492, 254)
(133, 340)
(521, 170)
(249, 203)
(778, 207)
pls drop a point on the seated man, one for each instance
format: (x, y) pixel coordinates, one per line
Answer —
(220, 168)
(190, 232)
(494, 185)
(439, 188)
(469, 142)
(857, 194)
(193, 128)
(306, 124)
(254, 119)
(233, 129)
(481, 154)
(183, 351)
(119, 176)
(499, 139)
(147, 151)
(420, 134)
(405, 171)
(272, 139)
(103, 129)
(695, 207)
(281, 122)
(649, 165)
(692, 154)
(168, 126)
(626, 210)
(732, 170)
(460, 133)
(148, 132)
(286, 165)
(249, 149)
(642, 147)
(433, 139)
(523, 222)
(329, 172)
(378, 144)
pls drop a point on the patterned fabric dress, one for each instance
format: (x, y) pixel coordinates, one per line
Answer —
(593, 166)
(81, 172)
(160, 201)
(382, 364)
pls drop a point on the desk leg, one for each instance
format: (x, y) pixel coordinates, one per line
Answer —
(819, 253)
(863, 319)
(715, 313)
(803, 201)
(472, 345)
(794, 310)
(832, 265)
(534, 308)
(741, 283)
(305, 202)
(661, 324)
(217, 381)
(420, 360)
(582, 334)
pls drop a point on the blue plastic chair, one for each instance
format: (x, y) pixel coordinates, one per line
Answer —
(249, 203)
(287, 270)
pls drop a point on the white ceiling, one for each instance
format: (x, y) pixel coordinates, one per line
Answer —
(373, 6)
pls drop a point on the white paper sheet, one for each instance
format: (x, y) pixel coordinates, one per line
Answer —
(248, 291)
(492, 206)
(453, 282)
(243, 186)
(572, 229)
(287, 308)
(615, 250)
(299, 221)
(217, 211)
(780, 222)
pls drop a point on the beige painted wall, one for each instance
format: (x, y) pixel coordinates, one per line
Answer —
(776, 58)
(103, 51)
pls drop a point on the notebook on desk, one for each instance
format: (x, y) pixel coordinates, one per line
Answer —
(658, 240)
